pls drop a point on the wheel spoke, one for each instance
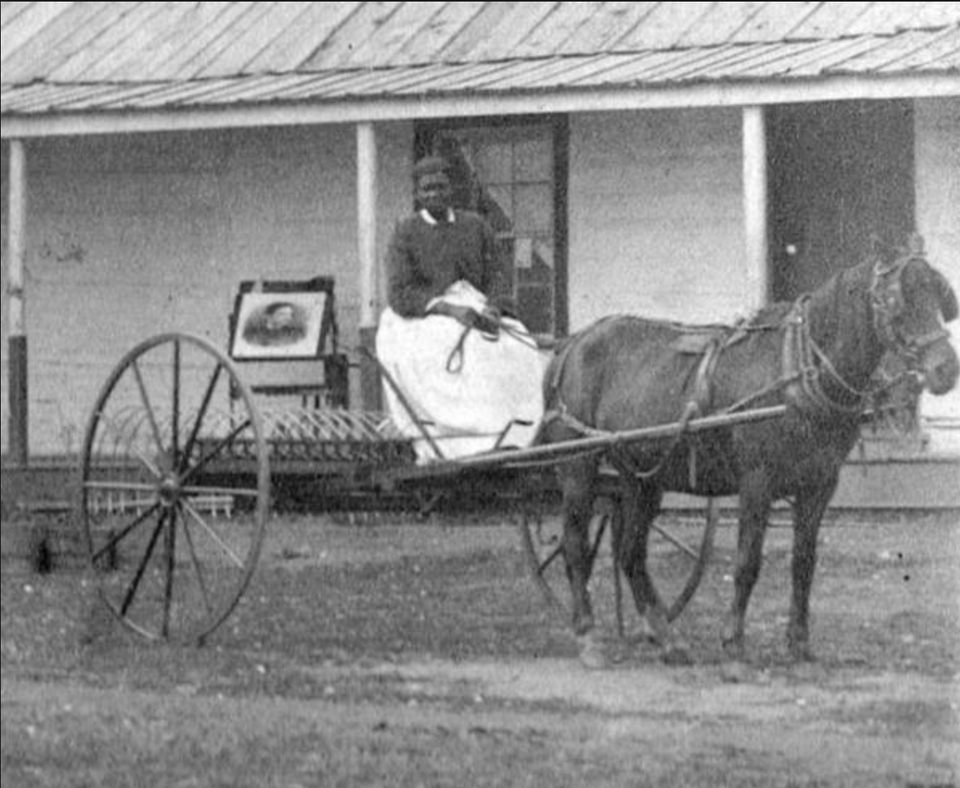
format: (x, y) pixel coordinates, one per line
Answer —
(175, 426)
(121, 486)
(114, 540)
(141, 570)
(239, 491)
(145, 398)
(551, 557)
(198, 518)
(195, 562)
(679, 543)
(171, 555)
(201, 415)
(212, 454)
(148, 463)
(595, 548)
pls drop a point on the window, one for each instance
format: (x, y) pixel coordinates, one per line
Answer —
(509, 173)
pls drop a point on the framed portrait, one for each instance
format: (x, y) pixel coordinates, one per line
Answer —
(280, 323)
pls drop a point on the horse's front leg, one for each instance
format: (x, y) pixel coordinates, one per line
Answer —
(808, 512)
(641, 505)
(754, 514)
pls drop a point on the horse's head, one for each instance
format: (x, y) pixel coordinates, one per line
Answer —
(909, 298)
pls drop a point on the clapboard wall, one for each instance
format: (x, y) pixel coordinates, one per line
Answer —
(656, 215)
(129, 236)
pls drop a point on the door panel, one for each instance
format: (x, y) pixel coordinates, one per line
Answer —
(841, 175)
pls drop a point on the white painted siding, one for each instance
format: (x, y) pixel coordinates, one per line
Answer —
(656, 216)
(131, 236)
(938, 217)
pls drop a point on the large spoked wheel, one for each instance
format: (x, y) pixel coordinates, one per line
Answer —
(175, 488)
(678, 555)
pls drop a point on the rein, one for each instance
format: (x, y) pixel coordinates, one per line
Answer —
(490, 327)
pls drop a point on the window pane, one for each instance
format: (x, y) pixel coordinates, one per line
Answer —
(533, 209)
(505, 253)
(494, 162)
(532, 159)
(536, 308)
(534, 261)
(497, 207)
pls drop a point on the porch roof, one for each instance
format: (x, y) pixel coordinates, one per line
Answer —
(102, 67)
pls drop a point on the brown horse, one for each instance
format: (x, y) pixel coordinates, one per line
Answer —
(816, 356)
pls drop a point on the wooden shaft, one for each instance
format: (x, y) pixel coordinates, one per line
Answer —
(570, 448)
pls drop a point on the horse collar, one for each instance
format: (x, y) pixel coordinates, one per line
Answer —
(803, 363)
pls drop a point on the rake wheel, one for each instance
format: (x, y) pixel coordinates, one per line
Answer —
(173, 545)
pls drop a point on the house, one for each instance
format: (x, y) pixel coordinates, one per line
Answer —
(681, 160)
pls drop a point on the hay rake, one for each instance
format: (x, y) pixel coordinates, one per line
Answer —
(176, 484)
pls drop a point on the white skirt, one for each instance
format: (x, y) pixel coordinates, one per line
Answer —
(467, 391)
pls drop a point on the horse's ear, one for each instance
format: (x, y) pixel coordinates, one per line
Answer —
(948, 299)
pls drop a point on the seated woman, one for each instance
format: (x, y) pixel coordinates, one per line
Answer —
(465, 368)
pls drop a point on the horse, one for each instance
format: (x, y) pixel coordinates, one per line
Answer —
(815, 355)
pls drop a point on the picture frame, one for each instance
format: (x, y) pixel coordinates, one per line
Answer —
(280, 321)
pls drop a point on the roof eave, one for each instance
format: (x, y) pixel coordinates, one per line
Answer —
(726, 93)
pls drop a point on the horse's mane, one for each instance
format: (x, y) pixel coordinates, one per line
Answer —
(836, 290)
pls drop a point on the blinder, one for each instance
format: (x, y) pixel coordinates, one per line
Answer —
(889, 304)
(948, 299)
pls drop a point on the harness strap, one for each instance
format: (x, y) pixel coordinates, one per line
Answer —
(697, 406)
(801, 372)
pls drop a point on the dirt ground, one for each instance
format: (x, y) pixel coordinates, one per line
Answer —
(401, 653)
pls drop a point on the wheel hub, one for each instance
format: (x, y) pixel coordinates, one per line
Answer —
(169, 490)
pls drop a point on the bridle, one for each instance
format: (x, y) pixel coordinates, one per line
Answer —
(806, 363)
(888, 304)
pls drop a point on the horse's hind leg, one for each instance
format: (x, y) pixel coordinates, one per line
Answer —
(641, 505)
(577, 480)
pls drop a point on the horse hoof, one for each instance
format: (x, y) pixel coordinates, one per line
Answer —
(733, 650)
(801, 652)
(735, 672)
(591, 654)
(676, 655)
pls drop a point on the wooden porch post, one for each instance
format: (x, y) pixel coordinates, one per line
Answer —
(370, 393)
(755, 206)
(17, 337)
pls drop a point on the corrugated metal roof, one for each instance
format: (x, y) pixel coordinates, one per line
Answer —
(940, 50)
(88, 56)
